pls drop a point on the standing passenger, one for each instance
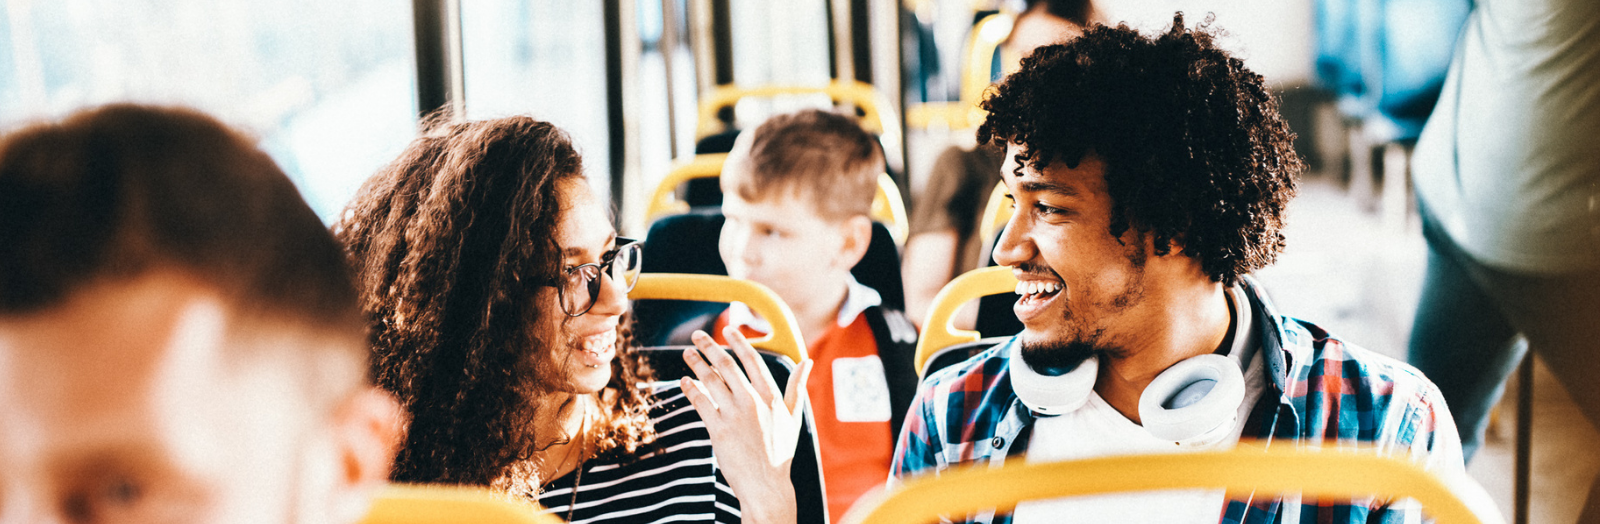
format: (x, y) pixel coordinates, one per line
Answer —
(180, 339)
(1509, 191)
(796, 193)
(498, 289)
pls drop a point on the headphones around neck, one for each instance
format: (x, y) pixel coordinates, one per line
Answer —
(1196, 401)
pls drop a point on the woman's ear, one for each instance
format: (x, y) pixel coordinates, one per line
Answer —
(857, 233)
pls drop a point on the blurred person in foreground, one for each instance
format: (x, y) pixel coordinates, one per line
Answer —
(1508, 184)
(1149, 176)
(180, 339)
(945, 240)
(499, 292)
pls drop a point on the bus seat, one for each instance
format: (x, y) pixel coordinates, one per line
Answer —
(687, 243)
(938, 334)
(785, 338)
(806, 469)
(995, 316)
(888, 206)
(714, 128)
(447, 504)
(1248, 468)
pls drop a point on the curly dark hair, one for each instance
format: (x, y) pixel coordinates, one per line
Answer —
(451, 243)
(1195, 151)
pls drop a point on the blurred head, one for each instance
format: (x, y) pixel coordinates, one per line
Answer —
(463, 246)
(1140, 167)
(180, 339)
(1044, 22)
(797, 192)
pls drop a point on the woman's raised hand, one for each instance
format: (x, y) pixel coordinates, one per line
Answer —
(754, 426)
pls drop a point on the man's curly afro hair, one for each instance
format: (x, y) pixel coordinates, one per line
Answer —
(1195, 151)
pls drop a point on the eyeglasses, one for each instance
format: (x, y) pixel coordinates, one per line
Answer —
(579, 286)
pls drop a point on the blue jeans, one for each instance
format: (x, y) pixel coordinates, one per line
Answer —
(1470, 327)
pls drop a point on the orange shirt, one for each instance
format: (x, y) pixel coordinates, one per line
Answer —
(850, 402)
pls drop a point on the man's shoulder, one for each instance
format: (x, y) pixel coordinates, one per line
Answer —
(1318, 353)
(980, 372)
(1356, 393)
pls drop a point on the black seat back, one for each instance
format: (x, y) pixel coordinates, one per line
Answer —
(995, 316)
(958, 353)
(806, 470)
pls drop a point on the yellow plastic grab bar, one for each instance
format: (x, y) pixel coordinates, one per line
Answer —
(939, 333)
(995, 214)
(1282, 469)
(878, 117)
(664, 201)
(785, 338)
(887, 207)
(445, 504)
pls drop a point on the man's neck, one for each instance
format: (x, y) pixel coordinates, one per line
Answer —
(1192, 323)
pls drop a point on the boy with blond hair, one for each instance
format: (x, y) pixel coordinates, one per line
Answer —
(797, 191)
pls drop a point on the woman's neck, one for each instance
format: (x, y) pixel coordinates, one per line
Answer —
(561, 435)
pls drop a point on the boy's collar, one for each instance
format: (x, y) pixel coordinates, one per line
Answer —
(857, 298)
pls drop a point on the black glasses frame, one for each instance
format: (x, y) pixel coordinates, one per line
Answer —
(600, 270)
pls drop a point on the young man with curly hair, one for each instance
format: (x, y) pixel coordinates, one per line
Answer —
(1150, 176)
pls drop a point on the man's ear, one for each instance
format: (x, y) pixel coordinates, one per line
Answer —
(857, 232)
(367, 433)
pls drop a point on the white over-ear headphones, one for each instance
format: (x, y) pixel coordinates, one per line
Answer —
(1196, 401)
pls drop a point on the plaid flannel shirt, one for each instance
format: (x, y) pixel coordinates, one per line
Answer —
(1322, 392)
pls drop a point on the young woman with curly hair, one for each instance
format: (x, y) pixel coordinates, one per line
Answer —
(497, 289)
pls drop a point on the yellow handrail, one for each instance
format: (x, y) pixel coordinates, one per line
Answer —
(887, 207)
(1312, 473)
(995, 213)
(446, 504)
(939, 333)
(664, 201)
(878, 116)
(785, 338)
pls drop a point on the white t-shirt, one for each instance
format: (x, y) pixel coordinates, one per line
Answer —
(1099, 430)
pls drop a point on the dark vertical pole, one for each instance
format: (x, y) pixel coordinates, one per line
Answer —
(722, 41)
(438, 55)
(617, 130)
(1524, 461)
(861, 39)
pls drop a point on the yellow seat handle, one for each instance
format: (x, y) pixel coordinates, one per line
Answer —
(876, 117)
(449, 504)
(785, 337)
(887, 207)
(1313, 473)
(995, 213)
(939, 333)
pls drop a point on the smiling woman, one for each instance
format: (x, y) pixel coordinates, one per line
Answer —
(498, 292)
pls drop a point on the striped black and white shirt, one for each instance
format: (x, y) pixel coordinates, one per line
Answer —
(675, 479)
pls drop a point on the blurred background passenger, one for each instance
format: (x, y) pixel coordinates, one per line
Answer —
(179, 335)
(945, 238)
(498, 289)
(1509, 188)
